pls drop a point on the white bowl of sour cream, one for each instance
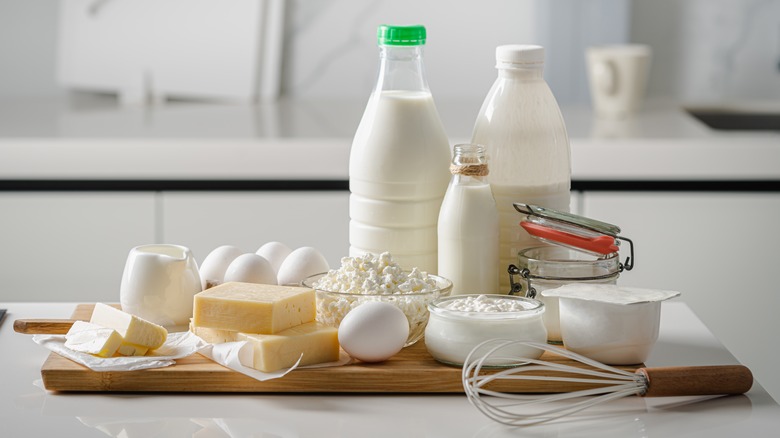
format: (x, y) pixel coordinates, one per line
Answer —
(459, 323)
(608, 323)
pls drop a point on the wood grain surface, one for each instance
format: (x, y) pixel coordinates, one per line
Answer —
(413, 370)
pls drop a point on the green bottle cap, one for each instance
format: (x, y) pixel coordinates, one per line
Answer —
(401, 35)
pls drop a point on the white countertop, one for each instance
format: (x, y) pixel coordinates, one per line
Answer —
(29, 411)
(93, 138)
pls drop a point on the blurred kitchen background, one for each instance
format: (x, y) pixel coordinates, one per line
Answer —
(120, 91)
(703, 50)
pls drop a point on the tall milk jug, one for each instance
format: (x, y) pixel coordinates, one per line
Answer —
(521, 126)
(399, 161)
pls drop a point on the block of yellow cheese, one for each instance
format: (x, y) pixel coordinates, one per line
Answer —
(93, 339)
(317, 342)
(253, 308)
(214, 336)
(134, 330)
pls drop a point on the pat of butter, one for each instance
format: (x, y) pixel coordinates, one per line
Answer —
(93, 339)
(132, 350)
(317, 342)
(134, 330)
(254, 308)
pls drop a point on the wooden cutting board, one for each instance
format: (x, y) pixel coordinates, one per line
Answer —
(413, 370)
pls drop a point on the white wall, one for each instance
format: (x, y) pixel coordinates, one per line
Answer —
(28, 32)
(331, 45)
(703, 49)
(711, 50)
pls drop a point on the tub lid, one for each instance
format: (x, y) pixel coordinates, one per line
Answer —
(573, 231)
(610, 293)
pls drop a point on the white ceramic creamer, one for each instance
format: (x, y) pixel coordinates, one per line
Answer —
(527, 146)
(398, 165)
(159, 283)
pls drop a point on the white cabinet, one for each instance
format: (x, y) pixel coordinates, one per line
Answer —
(721, 250)
(69, 246)
(203, 221)
(72, 246)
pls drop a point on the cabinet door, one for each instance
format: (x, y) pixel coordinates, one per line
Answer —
(69, 246)
(720, 250)
(203, 221)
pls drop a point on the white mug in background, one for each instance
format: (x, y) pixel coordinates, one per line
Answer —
(159, 283)
(618, 77)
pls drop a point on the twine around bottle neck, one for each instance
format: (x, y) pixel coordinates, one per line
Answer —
(469, 169)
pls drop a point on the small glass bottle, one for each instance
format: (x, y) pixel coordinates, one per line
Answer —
(399, 156)
(468, 225)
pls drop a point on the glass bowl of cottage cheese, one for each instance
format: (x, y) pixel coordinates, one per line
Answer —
(377, 278)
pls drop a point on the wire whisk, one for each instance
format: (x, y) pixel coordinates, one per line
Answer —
(609, 383)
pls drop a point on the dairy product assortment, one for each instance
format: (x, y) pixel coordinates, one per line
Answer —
(407, 224)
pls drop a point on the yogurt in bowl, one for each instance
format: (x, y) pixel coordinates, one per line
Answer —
(459, 323)
(609, 323)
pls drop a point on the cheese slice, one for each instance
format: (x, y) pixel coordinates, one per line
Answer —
(133, 329)
(93, 339)
(317, 342)
(214, 336)
(253, 308)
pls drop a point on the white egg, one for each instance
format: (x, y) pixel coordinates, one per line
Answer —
(275, 253)
(212, 270)
(250, 268)
(373, 331)
(301, 263)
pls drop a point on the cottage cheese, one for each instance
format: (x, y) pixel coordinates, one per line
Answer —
(485, 304)
(370, 274)
(376, 278)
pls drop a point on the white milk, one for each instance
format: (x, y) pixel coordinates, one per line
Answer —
(468, 227)
(398, 173)
(527, 146)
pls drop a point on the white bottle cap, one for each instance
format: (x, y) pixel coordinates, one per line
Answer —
(518, 55)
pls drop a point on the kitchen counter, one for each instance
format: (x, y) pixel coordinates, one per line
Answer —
(30, 411)
(49, 144)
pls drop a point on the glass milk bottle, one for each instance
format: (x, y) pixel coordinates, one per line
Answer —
(527, 146)
(468, 225)
(399, 157)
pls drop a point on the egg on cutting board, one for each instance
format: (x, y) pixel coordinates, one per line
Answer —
(374, 331)
(212, 270)
(250, 268)
(301, 263)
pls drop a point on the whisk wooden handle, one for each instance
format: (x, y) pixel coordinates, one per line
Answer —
(698, 380)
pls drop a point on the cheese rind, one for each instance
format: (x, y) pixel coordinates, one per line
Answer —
(93, 339)
(133, 329)
(317, 342)
(254, 308)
